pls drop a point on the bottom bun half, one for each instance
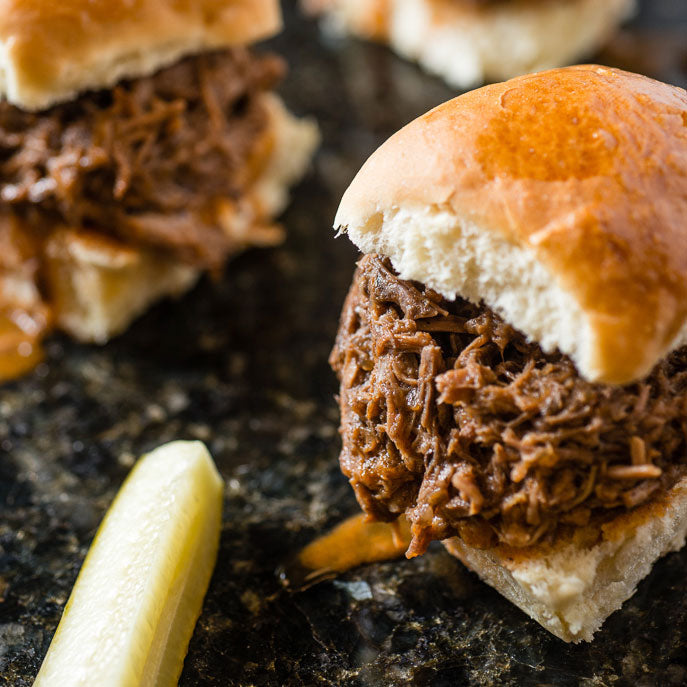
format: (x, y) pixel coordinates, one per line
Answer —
(570, 588)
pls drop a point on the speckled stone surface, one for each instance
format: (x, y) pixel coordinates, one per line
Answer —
(242, 365)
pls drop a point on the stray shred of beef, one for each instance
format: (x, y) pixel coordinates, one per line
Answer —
(451, 416)
(147, 160)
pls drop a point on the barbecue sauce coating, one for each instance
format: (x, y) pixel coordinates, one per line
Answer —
(146, 161)
(451, 416)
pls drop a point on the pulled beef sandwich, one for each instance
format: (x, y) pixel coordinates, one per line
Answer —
(468, 42)
(141, 143)
(512, 352)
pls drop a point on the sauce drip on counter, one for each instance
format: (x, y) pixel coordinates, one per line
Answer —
(20, 342)
(351, 543)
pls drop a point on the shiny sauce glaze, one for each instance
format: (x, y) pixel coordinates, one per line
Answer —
(356, 541)
(21, 334)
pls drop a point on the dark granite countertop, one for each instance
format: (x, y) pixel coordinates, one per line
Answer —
(242, 365)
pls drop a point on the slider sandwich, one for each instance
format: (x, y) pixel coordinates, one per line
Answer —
(513, 349)
(141, 143)
(468, 42)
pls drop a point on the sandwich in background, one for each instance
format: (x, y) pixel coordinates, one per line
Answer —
(513, 349)
(142, 144)
(470, 42)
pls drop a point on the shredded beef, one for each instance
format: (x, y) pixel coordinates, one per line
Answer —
(147, 160)
(451, 416)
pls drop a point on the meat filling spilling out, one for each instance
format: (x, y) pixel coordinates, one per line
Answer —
(454, 418)
(147, 161)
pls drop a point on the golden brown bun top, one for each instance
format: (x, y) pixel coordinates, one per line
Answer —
(583, 169)
(52, 49)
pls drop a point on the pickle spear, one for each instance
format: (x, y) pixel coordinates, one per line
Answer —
(135, 603)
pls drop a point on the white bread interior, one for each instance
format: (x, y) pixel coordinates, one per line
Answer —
(551, 214)
(468, 45)
(571, 589)
(455, 255)
(96, 285)
(295, 141)
(50, 51)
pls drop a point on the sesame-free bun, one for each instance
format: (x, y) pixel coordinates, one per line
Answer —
(571, 587)
(51, 50)
(469, 43)
(558, 199)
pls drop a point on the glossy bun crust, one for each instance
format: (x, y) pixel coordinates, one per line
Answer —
(50, 50)
(558, 198)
